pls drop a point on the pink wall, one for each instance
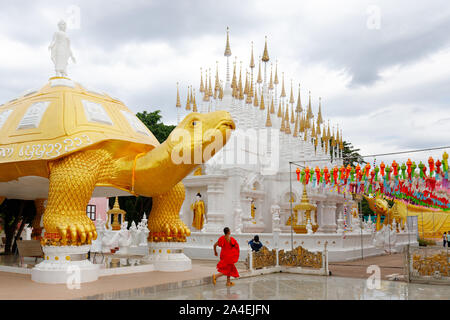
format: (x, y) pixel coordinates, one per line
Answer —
(101, 207)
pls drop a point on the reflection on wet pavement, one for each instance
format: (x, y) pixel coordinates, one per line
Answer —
(302, 287)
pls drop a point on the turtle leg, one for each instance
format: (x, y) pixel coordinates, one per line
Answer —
(72, 181)
(164, 221)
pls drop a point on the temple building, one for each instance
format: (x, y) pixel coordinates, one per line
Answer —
(246, 186)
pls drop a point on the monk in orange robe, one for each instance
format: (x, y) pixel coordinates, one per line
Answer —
(229, 255)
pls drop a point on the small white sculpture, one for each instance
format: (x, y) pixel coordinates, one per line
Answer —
(28, 232)
(60, 50)
(124, 238)
(134, 235)
(143, 228)
(97, 243)
(309, 227)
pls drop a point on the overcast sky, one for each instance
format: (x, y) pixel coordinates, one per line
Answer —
(382, 68)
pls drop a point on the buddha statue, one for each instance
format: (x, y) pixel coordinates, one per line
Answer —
(198, 207)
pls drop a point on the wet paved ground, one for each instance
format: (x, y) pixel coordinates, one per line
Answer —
(301, 287)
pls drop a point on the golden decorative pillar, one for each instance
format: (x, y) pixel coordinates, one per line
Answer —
(113, 216)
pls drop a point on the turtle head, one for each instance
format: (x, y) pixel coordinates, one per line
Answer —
(194, 141)
(199, 136)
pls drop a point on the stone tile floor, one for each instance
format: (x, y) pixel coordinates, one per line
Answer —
(286, 286)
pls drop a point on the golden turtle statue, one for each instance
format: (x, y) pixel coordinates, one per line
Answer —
(81, 140)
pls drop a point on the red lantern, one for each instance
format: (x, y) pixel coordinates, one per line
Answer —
(298, 174)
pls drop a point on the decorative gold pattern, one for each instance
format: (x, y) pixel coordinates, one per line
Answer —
(300, 257)
(436, 265)
(264, 258)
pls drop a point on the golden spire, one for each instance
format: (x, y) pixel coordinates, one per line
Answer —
(227, 46)
(291, 99)
(261, 104)
(292, 115)
(341, 142)
(328, 131)
(319, 115)
(275, 81)
(194, 108)
(270, 82)
(306, 130)
(178, 105)
(287, 128)
(210, 92)
(282, 127)
(310, 114)
(283, 92)
(259, 80)
(338, 140)
(272, 107)
(202, 88)
(265, 56)
(318, 129)
(296, 126)
(233, 81)
(220, 93)
(279, 114)
(188, 102)
(252, 60)
(255, 102)
(249, 96)
(313, 130)
(302, 124)
(206, 91)
(268, 121)
(241, 91)
(299, 101)
(217, 84)
(246, 87)
(191, 99)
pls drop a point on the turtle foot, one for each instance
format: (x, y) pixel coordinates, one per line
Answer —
(75, 229)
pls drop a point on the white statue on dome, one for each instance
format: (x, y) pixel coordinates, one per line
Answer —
(60, 50)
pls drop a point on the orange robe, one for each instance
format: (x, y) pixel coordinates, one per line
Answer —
(229, 255)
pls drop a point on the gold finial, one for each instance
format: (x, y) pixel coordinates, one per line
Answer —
(318, 129)
(268, 121)
(341, 142)
(178, 105)
(313, 130)
(299, 101)
(194, 108)
(319, 115)
(291, 99)
(279, 113)
(188, 102)
(275, 81)
(261, 104)
(251, 86)
(328, 131)
(202, 88)
(310, 114)
(259, 80)
(233, 81)
(272, 107)
(265, 56)
(296, 126)
(255, 101)
(210, 92)
(220, 91)
(283, 92)
(191, 99)
(246, 87)
(252, 60)
(287, 128)
(292, 114)
(217, 84)
(241, 90)
(206, 91)
(227, 46)
(282, 127)
(270, 82)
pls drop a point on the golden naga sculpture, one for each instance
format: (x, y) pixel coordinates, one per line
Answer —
(80, 140)
(381, 207)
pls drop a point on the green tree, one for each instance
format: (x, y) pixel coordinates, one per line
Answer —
(351, 155)
(15, 214)
(135, 207)
(152, 120)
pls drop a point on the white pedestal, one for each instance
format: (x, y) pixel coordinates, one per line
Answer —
(168, 256)
(65, 264)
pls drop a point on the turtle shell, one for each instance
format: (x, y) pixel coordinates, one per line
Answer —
(61, 118)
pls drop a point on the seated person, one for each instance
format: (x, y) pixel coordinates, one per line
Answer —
(255, 244)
